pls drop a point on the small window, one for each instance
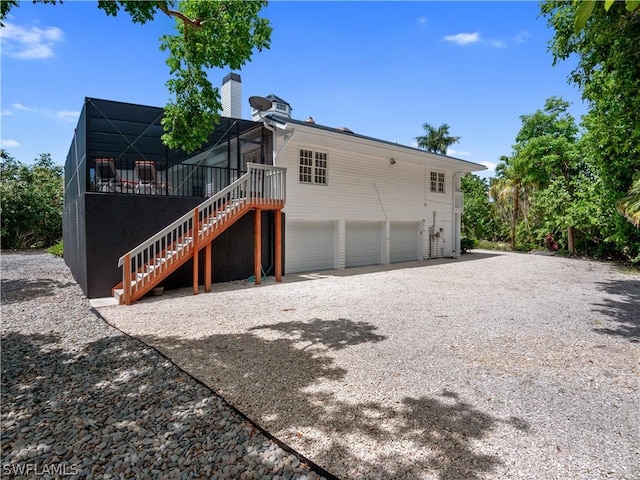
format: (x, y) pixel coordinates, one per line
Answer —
(437, 182)
(313, 167)
(281, 106)
(306, 166)
(321, 169)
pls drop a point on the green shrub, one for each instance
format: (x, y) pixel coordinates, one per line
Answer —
(467, 243)
(487, 245)
(32, 199)
(526, 246)
(56, 249)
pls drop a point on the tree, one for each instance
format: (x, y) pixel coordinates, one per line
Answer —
(630, 206)
(211, 34)
(32, 200)
(608, 74)
(585, 8)
(477, 217)
(507, 191)
(546, 152)
(436, 140)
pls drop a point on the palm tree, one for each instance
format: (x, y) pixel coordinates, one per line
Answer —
(507, 189)
(436, 140)
(629, 206)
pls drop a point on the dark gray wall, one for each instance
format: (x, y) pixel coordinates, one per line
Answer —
(116, 223)
(73, 236)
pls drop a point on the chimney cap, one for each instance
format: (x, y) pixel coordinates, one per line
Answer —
(231, 76)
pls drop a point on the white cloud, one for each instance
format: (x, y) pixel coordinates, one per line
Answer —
(9, 143)
(19, 106)
(422, 21)
(6, 112)
(459, 153)
(521, 37)
(490, 165)
(475, 37)
(67, 115)
(463, 38)
(29, 42)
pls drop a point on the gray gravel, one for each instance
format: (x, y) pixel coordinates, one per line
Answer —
(79, 398)
(491, 366)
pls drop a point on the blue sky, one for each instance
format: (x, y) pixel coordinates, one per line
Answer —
(381, 69)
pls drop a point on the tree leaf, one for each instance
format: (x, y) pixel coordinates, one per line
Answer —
(607, 4)
(632, 5)
(582, 15)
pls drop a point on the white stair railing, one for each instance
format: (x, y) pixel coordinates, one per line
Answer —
(142, 265)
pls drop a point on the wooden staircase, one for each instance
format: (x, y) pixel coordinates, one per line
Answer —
(148, 264)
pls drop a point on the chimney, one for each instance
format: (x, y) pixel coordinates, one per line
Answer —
(231, 96)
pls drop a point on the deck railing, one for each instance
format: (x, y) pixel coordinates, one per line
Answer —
(176, 180)
(153, 258)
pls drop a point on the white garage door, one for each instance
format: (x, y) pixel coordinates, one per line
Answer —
(405, 239)
(308, 246)
(363, 243)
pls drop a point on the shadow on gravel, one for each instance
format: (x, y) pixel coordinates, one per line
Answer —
(333, 334)
(273, 373)
(319, 275)
(120, 410)
(622, 306)
(350, 271)
(13, 291)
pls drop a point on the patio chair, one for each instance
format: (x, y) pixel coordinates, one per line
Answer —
(146, 177)
(107, 179)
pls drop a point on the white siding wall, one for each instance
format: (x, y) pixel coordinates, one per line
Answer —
(363, 186)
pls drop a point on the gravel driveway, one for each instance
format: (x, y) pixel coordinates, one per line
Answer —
(491, 366)
(495, 365)
(82, 400)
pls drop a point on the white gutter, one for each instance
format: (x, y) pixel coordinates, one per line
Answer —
(288, 135)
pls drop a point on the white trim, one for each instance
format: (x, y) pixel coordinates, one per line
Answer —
(314, 151)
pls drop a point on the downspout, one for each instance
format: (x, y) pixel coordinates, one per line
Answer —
(456, 227)
(288, 138)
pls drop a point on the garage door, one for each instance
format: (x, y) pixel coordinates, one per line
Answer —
(363, 243)
(308, 246)
(405, 239)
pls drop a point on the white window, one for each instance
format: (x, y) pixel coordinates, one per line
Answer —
(321, 169)
(437, 182)
(313, 167)
(281, 106)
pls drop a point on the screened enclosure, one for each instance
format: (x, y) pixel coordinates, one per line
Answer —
(117, 148)
(123, 185)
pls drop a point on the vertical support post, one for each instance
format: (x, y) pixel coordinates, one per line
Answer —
(126, 283)
(257, 249)
(207, 268)
(278, 246)
(195, 229)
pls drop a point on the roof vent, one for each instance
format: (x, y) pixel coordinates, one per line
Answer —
(310, 119)
(344, 129)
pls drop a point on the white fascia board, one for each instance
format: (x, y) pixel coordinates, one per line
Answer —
(398, 152)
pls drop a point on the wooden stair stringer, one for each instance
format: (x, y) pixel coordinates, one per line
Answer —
(215, 233)
(139, 293)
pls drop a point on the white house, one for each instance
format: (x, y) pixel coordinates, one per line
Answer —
(138, 214)
(354, 200)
